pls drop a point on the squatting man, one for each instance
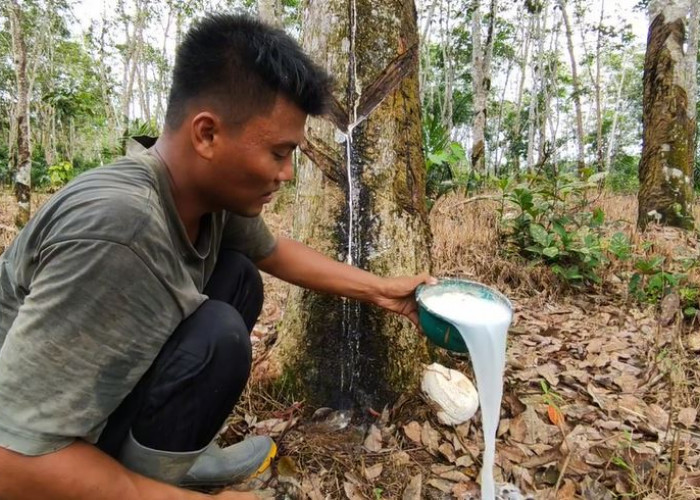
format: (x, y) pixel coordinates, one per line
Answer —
(127, 301)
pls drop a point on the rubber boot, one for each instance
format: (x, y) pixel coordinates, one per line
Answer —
(166, 466)
(224, 466)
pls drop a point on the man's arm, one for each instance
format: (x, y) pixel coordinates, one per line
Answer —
(300, 265)
(82, 472)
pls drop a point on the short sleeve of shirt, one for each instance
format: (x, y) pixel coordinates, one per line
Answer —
(91, 324)
(248, 235)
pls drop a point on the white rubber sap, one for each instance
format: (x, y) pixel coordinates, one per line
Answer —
(483, 324)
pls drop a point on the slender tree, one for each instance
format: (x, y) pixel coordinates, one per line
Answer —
(666, 166)
(23, 162)
(481, 80)
(270, 11)
(576, 95)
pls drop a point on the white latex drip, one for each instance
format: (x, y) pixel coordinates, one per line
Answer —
(483, 324)
(351, 312)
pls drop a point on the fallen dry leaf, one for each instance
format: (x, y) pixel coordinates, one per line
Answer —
(528, 428)
(414, 489)
(465, 491)
(448, 452)
(555, 415)
(549, 372)
(352, 491)
(567, 490)
(373, 441)
(311, 486)
(687, 416)
(413, 431)
(372, 473)
(441, 484)
(273, 426)
(658, 417)
(430, 437)
(670, 306)
(693, 342)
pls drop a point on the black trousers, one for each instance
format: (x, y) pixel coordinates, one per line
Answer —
(190, 389)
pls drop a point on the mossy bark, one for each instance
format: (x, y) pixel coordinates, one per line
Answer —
(665, 169)
(343, 353)
(23, 163)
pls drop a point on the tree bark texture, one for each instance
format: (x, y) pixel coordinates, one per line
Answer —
(23, 163)
(665, 169)
(270, 11)
(481, 62)
(581, 156)
(360, 199)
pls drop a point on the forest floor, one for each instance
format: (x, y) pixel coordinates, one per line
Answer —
(601, 393)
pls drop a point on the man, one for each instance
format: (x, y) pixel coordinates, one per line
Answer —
(127, 301)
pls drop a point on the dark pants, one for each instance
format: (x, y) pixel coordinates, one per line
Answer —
(188, 392)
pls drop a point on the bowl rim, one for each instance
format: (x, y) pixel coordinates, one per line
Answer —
(420, 288)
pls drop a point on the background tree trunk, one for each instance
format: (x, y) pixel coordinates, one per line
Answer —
(270, 11)
(666, 166)
(361, 199)
(481, 67)
(581, 156)
(23, 163)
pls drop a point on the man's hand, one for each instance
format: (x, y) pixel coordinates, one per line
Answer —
(398, 295)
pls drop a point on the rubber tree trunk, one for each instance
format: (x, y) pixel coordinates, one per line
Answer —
(576, 95)
(360, 199)
(666, 166)
(270, 11)
(23, 164)
(481, 73)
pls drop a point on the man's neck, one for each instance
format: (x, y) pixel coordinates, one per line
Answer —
(189, 208)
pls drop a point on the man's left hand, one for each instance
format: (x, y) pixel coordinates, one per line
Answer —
(398, 294)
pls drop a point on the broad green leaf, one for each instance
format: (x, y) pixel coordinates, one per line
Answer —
(551, 252)
(539, 234)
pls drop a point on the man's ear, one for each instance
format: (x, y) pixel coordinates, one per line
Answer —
(205, 127)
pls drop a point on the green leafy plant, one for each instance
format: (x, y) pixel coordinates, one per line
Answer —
(547, 219)
(60, 173)
(651, 282)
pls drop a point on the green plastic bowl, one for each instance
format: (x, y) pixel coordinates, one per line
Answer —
(436, 327)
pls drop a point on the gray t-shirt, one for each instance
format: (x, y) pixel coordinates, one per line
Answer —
(91, 289)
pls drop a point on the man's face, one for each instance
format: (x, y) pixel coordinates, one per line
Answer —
(251, 161)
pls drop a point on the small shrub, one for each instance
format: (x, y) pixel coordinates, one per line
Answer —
(547, 219)
(60, 173)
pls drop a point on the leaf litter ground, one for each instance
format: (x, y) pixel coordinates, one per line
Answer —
(600, 398)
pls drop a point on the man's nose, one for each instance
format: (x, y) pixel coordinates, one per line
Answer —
(287, 172)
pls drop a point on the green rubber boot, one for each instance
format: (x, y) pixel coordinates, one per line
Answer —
(166, 466)
(236, 463)
(210, 466)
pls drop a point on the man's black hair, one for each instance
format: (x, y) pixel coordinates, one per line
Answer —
(240, 64)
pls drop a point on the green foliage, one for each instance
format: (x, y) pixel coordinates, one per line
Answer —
(441, 166)
(60, 174)
(443, 159)
(547, 219)
(651, 282)
(623, 176)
